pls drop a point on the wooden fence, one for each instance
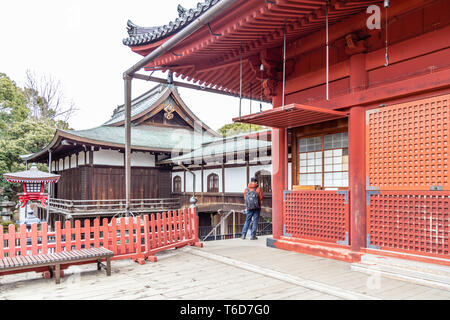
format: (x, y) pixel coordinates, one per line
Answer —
(137, 238)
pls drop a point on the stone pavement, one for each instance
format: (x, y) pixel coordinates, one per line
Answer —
(222, 270)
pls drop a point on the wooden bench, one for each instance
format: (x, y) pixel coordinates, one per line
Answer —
(55, 260)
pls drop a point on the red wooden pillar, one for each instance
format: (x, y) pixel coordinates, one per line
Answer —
(279, 174)
(357, 156)
(358, 75)
(357, 178)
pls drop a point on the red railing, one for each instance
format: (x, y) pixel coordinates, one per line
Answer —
(128, 237)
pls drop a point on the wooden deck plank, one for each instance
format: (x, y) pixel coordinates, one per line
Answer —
(180, 275)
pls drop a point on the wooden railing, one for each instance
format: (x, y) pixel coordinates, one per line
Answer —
(233, 231)
(128, 237)
(211, 202)
(112, 207)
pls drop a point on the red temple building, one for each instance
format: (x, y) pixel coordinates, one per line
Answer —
(360, 93)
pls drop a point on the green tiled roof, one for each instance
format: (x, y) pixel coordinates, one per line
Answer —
(222, 146)
(148, 137)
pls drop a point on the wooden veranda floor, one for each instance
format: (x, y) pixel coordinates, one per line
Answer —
(227, 269)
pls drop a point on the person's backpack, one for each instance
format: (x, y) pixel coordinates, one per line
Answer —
(251, 199)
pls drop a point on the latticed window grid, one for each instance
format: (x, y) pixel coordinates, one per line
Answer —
(408, 145)
(317, 215)
(416, 222)
(33, 187)
(323, 160)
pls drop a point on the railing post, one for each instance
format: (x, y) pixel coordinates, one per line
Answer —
(11, 240)
(194, 208)
(146, 234)
(140, 256)
(68, 234)
(23, 239)
(58, 246)
(234, 224)
(44, 230)
(105, 233)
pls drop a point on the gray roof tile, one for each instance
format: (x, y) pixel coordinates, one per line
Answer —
(139, 104)
(149, 137)
(144, 35)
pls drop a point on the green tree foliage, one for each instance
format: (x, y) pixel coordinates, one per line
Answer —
(21, 132)
(237, 128)
(12, 102)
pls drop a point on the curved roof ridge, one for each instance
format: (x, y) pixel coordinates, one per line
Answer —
(144, 101)
(145, 35)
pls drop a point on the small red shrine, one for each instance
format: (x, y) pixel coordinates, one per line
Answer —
(33, 182)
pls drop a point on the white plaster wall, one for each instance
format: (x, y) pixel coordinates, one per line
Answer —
(81, 158)
(115, 158)
(198, 181)
(108, 157)
(73, 161)
(207, 172)
(181, 175)
(254, 169)
(66, 162)
(53, 166)
(142, 159)
(235, 179)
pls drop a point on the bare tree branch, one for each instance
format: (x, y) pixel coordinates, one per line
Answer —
(45, 98)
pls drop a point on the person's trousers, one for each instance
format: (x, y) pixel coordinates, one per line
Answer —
(252, 216)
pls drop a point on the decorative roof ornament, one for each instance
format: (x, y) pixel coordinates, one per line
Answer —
(141, 35)
(181, 10)
(131, 28)
(169, 109)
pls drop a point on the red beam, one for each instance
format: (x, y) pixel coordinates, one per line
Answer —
(436, 80)
(349, 25)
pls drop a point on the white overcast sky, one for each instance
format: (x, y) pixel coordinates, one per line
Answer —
(80, 44)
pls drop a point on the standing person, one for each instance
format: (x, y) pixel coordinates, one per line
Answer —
(253, 200)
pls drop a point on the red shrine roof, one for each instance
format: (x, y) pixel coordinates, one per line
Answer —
(290, 116)
(32, 175)
(211, 55)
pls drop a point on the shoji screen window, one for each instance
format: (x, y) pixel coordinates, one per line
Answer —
(311, 161)
(323, 161)
(336, 160)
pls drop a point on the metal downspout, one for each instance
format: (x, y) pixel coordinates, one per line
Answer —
(49, 185)
(201, 21)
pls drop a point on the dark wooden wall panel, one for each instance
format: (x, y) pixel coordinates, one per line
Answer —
(102, 182)
(69, 185)
(165, 180)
